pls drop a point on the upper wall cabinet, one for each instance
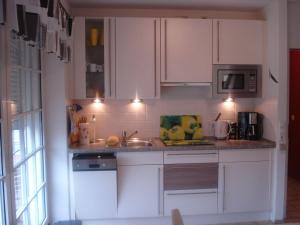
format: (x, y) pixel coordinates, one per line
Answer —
(238, 42)
(186, 47)
(137, 58)
(91, 58)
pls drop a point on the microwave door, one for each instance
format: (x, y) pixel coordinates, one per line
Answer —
(231, 82)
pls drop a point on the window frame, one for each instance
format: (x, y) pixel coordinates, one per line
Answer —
(16, 214)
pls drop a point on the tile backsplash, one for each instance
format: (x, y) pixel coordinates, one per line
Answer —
(113, 116)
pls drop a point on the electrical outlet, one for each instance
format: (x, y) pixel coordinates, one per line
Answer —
(282, 133)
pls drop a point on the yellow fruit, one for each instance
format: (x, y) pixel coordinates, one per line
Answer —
(112, 141)
(189, 124)
(198, 134)
(176, 133)
(163, 133)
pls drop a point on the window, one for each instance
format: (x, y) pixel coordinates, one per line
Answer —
(27, 133)
(2, 202)
(3, 178)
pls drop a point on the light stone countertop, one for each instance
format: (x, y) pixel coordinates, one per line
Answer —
(157, 145)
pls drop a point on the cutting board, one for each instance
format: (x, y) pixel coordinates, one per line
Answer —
(181, 127)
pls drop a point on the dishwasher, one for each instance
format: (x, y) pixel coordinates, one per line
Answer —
(95, 185)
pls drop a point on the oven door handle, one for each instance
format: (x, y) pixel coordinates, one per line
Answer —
(193, 193)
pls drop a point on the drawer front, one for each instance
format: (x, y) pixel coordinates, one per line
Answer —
(139, 158)
(245, 155)
(205, 156)
(192, 202)
(190, 176)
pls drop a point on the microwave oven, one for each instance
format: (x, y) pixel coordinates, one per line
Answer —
(237, 81)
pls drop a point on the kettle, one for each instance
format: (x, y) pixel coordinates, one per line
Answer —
(221, 129)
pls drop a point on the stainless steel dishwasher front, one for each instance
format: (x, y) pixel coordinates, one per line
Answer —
(95, 185)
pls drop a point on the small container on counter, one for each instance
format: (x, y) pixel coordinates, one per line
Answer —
(84, 133)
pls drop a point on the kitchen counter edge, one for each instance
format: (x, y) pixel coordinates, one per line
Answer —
(159, 146)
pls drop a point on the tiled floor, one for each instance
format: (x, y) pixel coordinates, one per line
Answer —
(293, 200)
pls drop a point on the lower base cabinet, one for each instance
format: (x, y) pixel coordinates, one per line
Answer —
(246, 186)
(191, 202)
(139, 191)
(95, 194)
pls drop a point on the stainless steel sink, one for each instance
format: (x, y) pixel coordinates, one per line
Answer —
(135, 142)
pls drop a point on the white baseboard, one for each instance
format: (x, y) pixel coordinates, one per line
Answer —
(188, 220)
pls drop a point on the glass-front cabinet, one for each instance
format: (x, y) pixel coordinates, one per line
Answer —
(94, 33)
(90, 58)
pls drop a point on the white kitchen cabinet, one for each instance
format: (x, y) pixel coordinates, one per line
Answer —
(238, 41)
(79, 66)
(137, 58)
(140, 191)
(186, 48)
(88, 82)
(244, 186)
(191, 202)
(95, 194)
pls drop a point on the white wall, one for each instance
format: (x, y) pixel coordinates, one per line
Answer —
(274, 103)
(294, 24)
(56, 138)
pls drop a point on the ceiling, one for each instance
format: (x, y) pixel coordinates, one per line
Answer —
(174, 4)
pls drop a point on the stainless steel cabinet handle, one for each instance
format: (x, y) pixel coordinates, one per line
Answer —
(193, 193)
(224, 187)
(190, 154)
(166, 71)
(218, 36)
(109, 52)
(155, 58)
(158, 191)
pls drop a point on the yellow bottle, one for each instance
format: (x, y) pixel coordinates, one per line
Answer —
(94, 36)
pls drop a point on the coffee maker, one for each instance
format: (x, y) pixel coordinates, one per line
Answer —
(250, 126)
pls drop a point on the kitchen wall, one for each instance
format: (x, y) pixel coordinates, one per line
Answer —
(274, 103)
(55, 92)
(293, 23)
(114, 116)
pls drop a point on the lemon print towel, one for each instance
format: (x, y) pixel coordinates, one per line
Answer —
(183, 127)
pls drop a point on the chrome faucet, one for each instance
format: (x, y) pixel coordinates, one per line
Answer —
(125, 138)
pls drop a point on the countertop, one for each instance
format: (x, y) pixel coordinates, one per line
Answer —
(157, 145)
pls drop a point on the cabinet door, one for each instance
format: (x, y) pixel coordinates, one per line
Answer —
(95, 194)
(136, 57)
(186, 50)
(140, 191)
(79, 66)
(246, 186)
(89, 83)
(238, 42)
(191, 202)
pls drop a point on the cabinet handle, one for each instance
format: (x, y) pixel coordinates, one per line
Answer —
(224, 188)
(218, 36)
(115, 55)
(190, 154)
(158, 202)
(193, 193)
(155, 58)
(109, 50)
(166, 71)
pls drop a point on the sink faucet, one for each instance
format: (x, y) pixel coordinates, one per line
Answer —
(125, 138)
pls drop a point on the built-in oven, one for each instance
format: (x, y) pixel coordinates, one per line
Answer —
(191, 182)
(240, 81)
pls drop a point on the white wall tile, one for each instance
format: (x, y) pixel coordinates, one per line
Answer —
(114, 116)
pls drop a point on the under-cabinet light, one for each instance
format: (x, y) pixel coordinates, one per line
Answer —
(136, 100)
(98, 100)
(229, 99)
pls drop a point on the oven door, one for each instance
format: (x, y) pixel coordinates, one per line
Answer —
(191, 187)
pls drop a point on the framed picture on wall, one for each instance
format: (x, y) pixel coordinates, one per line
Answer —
(2, 11)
